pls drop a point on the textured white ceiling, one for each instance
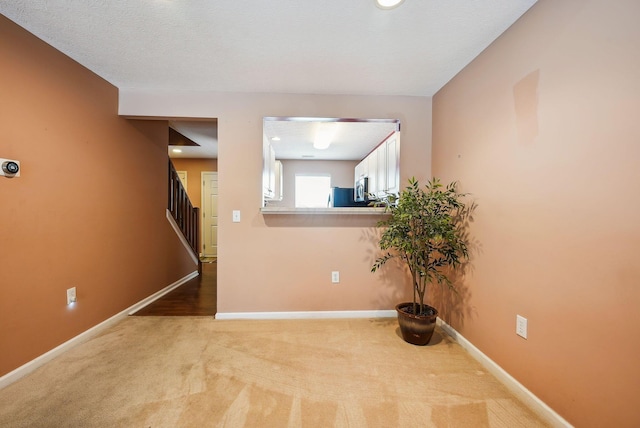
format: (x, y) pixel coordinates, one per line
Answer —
(280, 46)
(288, 46)
(293, 138)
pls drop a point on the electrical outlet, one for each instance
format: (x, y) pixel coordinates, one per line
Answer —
(335, 277)
(521, 326)
(71, 295)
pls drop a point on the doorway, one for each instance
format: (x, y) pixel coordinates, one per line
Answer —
(209, 214)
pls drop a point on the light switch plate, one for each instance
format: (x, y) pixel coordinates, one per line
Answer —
(236, 216)
(335, 277)
(71, 295)
(521, 326)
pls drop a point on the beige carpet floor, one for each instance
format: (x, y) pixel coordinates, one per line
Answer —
(201, 372)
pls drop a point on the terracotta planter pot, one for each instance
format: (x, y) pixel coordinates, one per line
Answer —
(416, 329)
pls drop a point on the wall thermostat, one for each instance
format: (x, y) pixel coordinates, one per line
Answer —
(10, 168)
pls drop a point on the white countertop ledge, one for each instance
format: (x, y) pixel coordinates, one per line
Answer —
(324, 211)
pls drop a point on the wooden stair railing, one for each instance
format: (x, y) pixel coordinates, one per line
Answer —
(183, 212)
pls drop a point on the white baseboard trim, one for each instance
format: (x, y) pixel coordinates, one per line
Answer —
(519, 390)
(176, 229)
(32, 365)
(304, 315)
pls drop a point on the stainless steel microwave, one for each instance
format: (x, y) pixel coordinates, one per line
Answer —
(361, 190)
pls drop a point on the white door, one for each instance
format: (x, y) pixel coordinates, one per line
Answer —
(209, 214)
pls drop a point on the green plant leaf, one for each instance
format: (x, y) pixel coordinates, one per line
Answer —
(426, 231)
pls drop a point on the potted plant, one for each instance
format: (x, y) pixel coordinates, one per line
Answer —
(425, 231)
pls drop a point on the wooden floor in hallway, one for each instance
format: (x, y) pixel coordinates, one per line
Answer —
(193, 298)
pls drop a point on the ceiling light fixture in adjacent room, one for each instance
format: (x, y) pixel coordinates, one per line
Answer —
(321, 144)
(325, 134)
(388, 4)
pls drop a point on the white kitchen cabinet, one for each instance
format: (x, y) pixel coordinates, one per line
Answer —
(381, 170)
(267, 190)
(361, 170)
(384, 167)
(271, 174)
(392, 175)
(277, 180)
(372, 172)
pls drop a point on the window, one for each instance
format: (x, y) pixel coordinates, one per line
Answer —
(312, 191)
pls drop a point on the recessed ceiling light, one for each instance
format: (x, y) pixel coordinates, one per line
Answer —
(275, 138)
(177, 151)
(388, 4)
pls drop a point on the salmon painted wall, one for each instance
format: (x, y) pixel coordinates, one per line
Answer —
(543, 129)
(284, 263)
(194, 168)
(89, 208)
